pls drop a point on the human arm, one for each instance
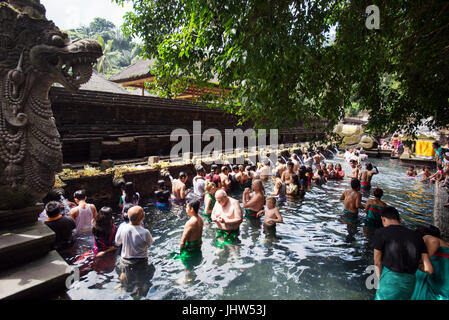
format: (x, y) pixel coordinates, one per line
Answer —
(185, 234)
(74, 213)
(378, 262)
(279, 218)
(251, 202)
(427, 265)
(359, 201)
(368, 203)
(260, 213)
(377, 170)
(343, 196)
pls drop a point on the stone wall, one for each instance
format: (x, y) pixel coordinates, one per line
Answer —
(100, 125)
(441, 213)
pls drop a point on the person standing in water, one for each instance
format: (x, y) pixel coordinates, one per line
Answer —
(287, 175)
(129, 196)
(339, 172)
(179, 189)
(367, 175)
(436, 285)
(84, 214)
(280, 191)
(272, 217)
(355, 174)
(199, 183)
(352, 200)
(254, 201)
(224, 178)
(191, 240)
(398, 252)
(162, 195)
(209, 200)
(227, 214)
(373, 208)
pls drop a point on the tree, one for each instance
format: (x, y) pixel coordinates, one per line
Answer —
(282, 65)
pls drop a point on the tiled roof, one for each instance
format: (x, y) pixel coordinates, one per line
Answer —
(140, 69)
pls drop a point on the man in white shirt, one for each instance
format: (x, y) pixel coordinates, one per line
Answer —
(135, 241)
(264, 170)
(199, 183)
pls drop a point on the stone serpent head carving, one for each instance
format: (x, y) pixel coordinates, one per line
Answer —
(34, 54)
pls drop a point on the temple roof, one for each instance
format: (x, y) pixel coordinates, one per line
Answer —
(99, 83)
(137, 71)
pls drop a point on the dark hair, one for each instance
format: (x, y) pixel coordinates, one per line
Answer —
(195, 205)
(427, 167)
(290, 164)
(390, 213)
(295, 179)
(378, 193)
(130, 193)
(125, 211)
(235, 167)
(53, 195)
(182, 174)
(80, 195)
(436, 144)
(199, 169)
(280, 160)
(355, 184)
(369, 166)
(440, 166)
(320, 172)
(413, 167)
(428, 230)
(161, 184)
(53, 209)
(224, 168)
(103, 223)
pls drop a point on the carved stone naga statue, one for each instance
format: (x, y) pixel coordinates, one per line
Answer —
(34, 54)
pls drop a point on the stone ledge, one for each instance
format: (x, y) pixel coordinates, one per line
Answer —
(25, 244)
(36, 279)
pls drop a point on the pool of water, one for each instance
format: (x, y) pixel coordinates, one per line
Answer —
(317, 256)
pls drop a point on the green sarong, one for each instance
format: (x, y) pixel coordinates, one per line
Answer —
(211, 207)
(373, 219)
(434, 286)
(250, 214)
(395, 285)
(350, 217)
(190, 255)
(229, 237)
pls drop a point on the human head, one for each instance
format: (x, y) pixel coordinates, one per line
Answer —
(182, 176)
(281, 161)
(378, 193)
(241, 168)
(369, 166)
(320, 173)
(161, 184)
(221, 197)
(295, 179)
(266, 162)
(53, 195)
(257, 185)
(428, 230)
(210, 187)
(330, 166)
(214, 168)
(338, 167)
(200, 171)
(224, 170)
(248, 168)
(136, 215)
(193, 207)
(355, 184)
(435, 144)
(235, 168)
(126, 208)
(323, 166)
(427, 168)
(389, 216)
(129, 188)
(80, 195)
(104, 220)
(270, 202)
(353, 163)
(53, 209)
(440, 166)
(411, 168)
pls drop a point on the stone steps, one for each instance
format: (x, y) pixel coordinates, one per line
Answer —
(24, 244)
(37, 279)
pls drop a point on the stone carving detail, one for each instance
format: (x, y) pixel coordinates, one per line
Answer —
(34, 54)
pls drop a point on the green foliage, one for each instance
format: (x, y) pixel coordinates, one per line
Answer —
(281, 65)
(119, 50)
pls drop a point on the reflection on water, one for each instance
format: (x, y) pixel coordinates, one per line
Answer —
(315, 255)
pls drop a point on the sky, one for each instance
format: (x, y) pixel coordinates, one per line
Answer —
(69, 14)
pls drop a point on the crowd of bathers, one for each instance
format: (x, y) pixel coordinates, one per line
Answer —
(213, 190)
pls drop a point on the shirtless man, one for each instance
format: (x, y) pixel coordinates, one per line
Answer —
(317, 158)
(193, 229)
(272, 217)
(287, 175)
(355, 169)
(352, 199)
(294, 158)
(254, 201)
(179, 188)
(242, 177)
(367, 175)
(224, 178)
(280, 167)
(228, 216)
(264, 170)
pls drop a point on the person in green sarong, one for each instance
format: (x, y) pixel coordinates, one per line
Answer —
(373, 207)
(191, 240)
(209, 200)
(398, 252)
(253, 202)
(227, 214)
(436, 285)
